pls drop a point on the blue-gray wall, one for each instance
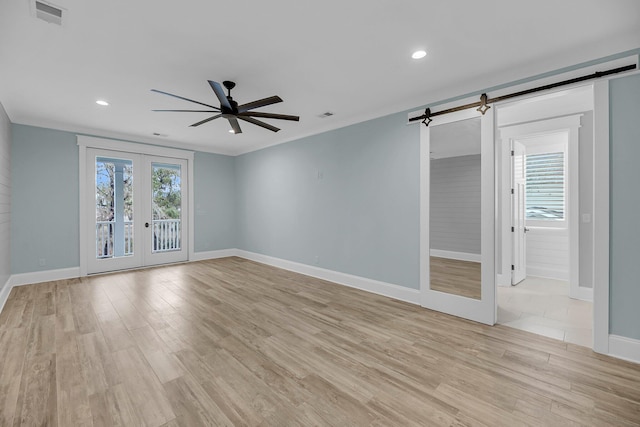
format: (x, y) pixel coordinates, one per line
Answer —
(345, 200)
(45, 200)
(625, 206)
(214, 201)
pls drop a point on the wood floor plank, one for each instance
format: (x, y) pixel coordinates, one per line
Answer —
(143, 387)
(13, 348)
(192, 405)
(234, 342)
(72, 388)
(97, 363)
(17, 314)
(38, 395)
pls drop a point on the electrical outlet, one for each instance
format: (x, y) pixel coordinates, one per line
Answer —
(42, 262)
(316, 259)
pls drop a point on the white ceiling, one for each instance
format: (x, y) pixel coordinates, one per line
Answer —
(351, 58)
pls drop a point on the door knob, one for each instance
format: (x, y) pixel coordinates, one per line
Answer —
(146, 224)
(526, 229)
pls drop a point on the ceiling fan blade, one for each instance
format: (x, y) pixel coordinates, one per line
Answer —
(259, 123)
(185, 99)
(269, 116)
(259, 103)
(201, 122)
(219, 91)
(235, 125)
(188, 111)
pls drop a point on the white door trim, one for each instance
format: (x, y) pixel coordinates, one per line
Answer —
(601, 146)
(85, 142)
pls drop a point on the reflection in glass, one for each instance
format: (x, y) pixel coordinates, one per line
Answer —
(454, 220)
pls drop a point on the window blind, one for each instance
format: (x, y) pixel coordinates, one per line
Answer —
(545, 187)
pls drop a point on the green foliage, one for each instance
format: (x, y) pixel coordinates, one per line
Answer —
(167, 194)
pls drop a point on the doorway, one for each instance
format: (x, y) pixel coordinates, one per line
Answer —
(134, 207)
(546, 187)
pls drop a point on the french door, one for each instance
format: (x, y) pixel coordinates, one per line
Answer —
(137, 206)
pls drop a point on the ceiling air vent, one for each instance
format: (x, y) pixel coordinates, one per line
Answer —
(48, 12)
(325, 115)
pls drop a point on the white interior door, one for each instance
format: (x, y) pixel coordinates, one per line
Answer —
(137, 208)
(518, 219)
(457, 216)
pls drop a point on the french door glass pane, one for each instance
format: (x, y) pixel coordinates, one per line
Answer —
(166, 207)
(114, 207)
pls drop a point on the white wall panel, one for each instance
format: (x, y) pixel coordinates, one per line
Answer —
(455, 204)
(548, 253)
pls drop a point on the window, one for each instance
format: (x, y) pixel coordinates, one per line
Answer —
(545, 186)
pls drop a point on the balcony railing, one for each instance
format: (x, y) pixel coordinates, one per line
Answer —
(105, 235)
(166, 237)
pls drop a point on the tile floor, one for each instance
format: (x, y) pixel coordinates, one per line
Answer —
(542, 306)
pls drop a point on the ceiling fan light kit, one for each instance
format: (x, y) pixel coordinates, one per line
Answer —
(230, 110)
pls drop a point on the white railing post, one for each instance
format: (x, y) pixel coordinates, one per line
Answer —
(166, 234)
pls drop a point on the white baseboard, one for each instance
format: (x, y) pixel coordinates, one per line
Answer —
(222, 253)
(374, 286)
(624, 348)
(460, 256)
(44, 276)
(4, 293)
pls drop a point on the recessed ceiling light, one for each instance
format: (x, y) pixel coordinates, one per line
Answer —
(102, 102)
(418, 54)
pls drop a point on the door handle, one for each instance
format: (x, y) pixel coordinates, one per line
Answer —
(146, 224)
(526, 229)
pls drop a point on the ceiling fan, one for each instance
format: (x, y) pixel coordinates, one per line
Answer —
(230, 110)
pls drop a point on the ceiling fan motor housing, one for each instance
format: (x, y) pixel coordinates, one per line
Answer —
(229, 112)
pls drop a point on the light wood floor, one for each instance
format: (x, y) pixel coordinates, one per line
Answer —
(456, 277)
(232, 342)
